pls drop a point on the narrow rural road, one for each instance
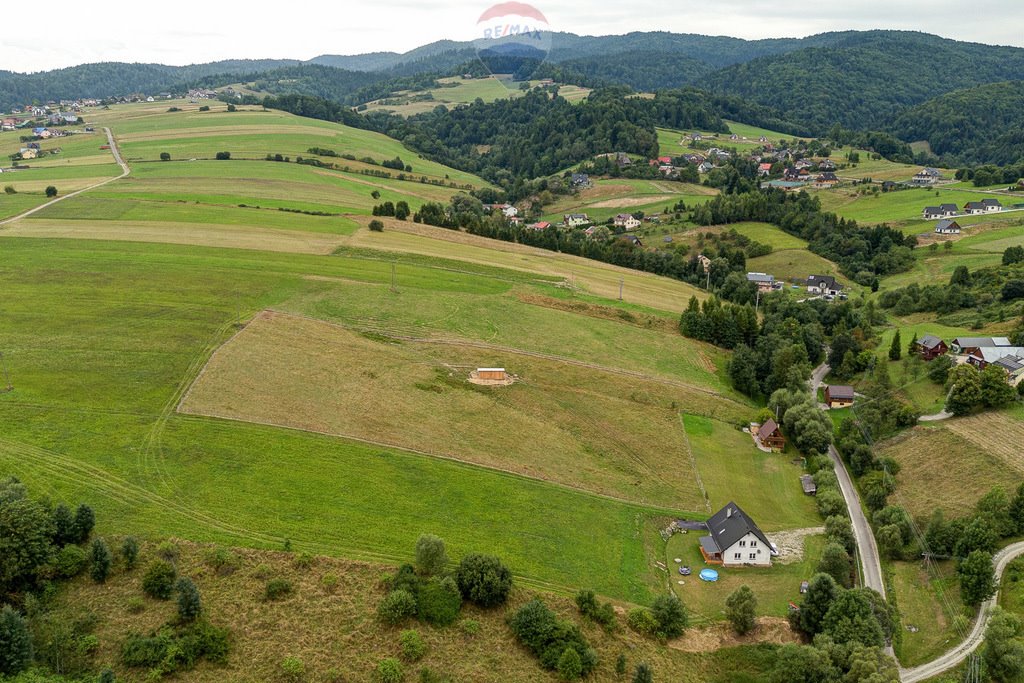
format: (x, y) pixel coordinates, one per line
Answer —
(125, 170)
(867, 549)
(941, 415)
(959, 653)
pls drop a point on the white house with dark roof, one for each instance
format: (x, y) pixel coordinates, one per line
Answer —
(734, 540)
(947, 227)
(823, 285)
(926, 176)
(932, 213)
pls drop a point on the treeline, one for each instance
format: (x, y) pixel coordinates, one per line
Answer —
(878, 142)
(986, 294)
(978, 125)
(862, 253)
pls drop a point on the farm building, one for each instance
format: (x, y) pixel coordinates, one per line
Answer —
(1014, 366)
(984, 356)
(771, 436)
(497, 374)
(764, 281)
(735, 540)
(947, 227)
(931, 347)
(808, 485)
(965, 346)
(838, 395)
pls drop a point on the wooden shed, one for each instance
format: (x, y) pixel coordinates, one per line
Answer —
(839, 395)
(495, 374)
(771, 436)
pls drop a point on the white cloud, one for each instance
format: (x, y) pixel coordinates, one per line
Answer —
(191, 31)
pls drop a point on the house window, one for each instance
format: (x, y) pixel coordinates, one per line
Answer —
(736, 556)
(753, 544)
(743, 544)
(753, 556)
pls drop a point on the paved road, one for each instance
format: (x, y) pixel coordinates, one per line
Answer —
(959, 653)
(867, 549)
(117, 157)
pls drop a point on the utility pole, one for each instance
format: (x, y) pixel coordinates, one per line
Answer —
(708, 285)
(757, 301)
(393, 288)
(620, 289)
(7, 378)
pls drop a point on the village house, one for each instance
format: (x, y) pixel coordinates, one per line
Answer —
(930, 347)
(580, 180)
(705, 262)
(926, 176)
(947, 227)
(576, 220)
(826, 165)
(984, 356)
(823, 285)
(632, 239)
(984, 206)
(764, 169)
(826, 180)
(770, 436)
(705, 167)
(28, 153)
(932, 213)
(626, 221)
(838, 395)
(762, 139)
(764, 281)
(538, 226)
(965, 346)
(1013, 364)
(735, 540)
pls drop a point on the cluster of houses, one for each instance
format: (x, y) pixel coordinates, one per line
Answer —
(945, 213)
(978, 351)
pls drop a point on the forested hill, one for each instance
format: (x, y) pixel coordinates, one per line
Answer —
(111, 79)
(976, 125)
(865, 80)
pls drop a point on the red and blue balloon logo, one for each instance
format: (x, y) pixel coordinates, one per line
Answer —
(512, 40)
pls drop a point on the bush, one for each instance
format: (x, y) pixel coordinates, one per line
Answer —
(484, 580)
(223, 156)
(670, 614)
(222, 561)
(471, 627)
(129, 552)
(413, 647)
(643, 673)
(396, 607)
(51, 191)
(135, 605)
(9, 189)
(165, 156)
(99, 560)
(190, 605)
(376, 226)
(431, 556)
(85, 518)
(439, 601)
(70, 562)
(167, 651)
(586, 602)
(741, 609)
(329, 582)
(570, 666)
(547, 637)
(231, 107)
(168, 550)
(205, 107)
(293, 668)
(642, 621)
(262, 572)
(158, 581)
(390, 671)
(303, 561)
(277, 589)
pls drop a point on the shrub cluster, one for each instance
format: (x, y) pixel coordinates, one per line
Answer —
(176, 649)
(558, 644)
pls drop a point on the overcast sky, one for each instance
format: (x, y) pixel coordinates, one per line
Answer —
(193, 31)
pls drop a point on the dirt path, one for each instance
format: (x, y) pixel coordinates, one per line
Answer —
(125, 170)
(790, 543)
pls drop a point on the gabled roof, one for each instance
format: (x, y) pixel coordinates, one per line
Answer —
(946, 224)
(1010, 363)
(948, 207)
(767, 429)
(990, 202)
(929, 341)
(973, 205)
(970, 342)
(932, 210)
(760, 277)
(823, 281)
(993, 354)
(844, 391)
(730, 524)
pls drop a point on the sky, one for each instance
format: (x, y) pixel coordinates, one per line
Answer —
(194, 31)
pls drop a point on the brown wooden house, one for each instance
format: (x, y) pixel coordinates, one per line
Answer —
(931, 347)
(771, 436)
(497, 374)
(838, 395)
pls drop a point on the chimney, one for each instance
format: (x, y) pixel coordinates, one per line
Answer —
(728, 512)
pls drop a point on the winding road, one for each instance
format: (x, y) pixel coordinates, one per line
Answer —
(125, 170)
(867, 549)
(959, 653)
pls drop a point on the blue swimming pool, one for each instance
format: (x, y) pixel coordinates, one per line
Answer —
(708, 575)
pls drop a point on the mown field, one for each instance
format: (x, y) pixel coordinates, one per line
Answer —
(928, 597)
(457, 90)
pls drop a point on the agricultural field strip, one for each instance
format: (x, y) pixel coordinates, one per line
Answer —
(117, 157)
(993, 433)
(509, 349)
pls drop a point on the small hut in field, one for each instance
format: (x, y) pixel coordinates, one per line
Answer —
(491, 377)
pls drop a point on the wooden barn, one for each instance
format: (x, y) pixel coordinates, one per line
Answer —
(494, 374)
(838, 395)
(771, 436)
(931, 347)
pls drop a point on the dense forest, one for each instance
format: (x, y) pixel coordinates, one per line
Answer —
(977, 125)
(866, 81)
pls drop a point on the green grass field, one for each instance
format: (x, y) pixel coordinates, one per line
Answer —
(795, 264)
(725, 455)
(929, 603)
(456, 90)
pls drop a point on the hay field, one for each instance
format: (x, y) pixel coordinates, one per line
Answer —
(589, 429)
